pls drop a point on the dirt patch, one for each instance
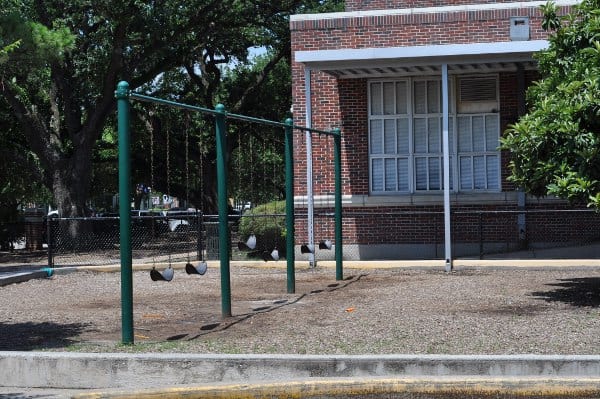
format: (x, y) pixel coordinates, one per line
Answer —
(471, 311)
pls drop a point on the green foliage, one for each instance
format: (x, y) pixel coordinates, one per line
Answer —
(7, 49)
(556, 145)
(33, 44)
(59, 83)
(269, 230)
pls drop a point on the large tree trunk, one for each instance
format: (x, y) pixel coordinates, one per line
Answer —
(70, 186)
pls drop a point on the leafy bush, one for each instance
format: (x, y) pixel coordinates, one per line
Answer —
(269, 230)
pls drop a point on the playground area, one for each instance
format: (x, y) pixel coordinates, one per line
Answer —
(372, 311)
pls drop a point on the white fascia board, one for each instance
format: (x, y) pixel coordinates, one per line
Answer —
(429, 10)
(429, 54)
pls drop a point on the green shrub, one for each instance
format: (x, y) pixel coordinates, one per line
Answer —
(269, 230)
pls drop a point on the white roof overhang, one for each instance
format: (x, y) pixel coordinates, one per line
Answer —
(419, 60)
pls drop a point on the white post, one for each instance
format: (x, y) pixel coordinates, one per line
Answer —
(309, 166)
(446, 149)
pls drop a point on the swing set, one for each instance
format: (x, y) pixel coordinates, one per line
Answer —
(172, 224)
(124, 95)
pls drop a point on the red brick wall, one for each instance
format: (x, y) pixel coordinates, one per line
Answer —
(363, 5)
(343, 103)
(546, 224)
(414, 29)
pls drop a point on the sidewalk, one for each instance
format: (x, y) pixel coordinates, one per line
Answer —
(112, 375)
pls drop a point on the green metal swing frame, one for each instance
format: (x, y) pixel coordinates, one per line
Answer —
(123, 96)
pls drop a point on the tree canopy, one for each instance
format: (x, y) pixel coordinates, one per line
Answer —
(58, 80)
(556, 145)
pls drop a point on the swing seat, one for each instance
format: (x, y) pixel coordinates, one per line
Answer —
(273, 255)
(166, 275)
(249, 245)
(325, 244)
(307, 249)
(199, 269)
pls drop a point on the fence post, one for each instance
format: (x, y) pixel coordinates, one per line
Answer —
(221, 140)
(480, 214)
(289, 206)
(49, 242)
(122, 95)
(337, 159)
(199, 229)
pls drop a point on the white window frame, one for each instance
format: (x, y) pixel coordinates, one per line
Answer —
(411, 115)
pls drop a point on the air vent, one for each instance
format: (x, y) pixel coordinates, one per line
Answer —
(519, 28)
(477, 94)
(477, 89)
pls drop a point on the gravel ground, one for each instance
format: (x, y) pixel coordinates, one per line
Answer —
(469, 311)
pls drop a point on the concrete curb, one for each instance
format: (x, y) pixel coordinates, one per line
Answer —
(7, 278)
(479, 387)
(115, 370)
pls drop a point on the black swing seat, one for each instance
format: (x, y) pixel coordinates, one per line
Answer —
(198, 269)
(307, 249)
(166, 275)
(325, 244)
(249, 245)
(269, 256)
(242, 246)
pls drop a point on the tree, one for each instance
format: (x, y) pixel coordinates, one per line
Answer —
(20, 173)
(556, 145)
(59, 83)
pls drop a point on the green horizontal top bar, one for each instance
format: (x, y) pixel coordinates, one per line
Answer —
(142, 97)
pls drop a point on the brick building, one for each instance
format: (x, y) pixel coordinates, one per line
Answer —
(399, 77)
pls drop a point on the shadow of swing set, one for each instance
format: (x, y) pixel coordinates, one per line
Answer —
(123, 96)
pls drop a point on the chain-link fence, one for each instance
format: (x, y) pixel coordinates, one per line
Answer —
(368, 234)
(154, 238)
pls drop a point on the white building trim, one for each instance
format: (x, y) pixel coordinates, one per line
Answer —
(429, 10)
(436, 54)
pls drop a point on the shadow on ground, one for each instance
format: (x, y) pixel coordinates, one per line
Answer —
(581, 292)
(35, 336)
(221, 326)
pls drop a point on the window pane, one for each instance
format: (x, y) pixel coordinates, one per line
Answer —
(420, 97)
(420, 135)
(421, 173)
(388, 98)
(491, 132)
(450, 133)
(492, 172)
(435, 135)
(376, 105)
(377, 175)
(479, 173)
(466, 174)
(389, 130)
(390, 174)
(434, 174)
(376, 144)
(403, 174)
(403, 143)
(401, 98)
(464, 134)
(478, 134)
(433, 96)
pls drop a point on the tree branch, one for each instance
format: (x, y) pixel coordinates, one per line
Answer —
(260, 79)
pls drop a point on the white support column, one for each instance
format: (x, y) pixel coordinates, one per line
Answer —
(309, 167)
(446, 149)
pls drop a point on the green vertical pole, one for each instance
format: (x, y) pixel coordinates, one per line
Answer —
(223, 210)
(289, 206)
(122, 95)
(337, 159)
